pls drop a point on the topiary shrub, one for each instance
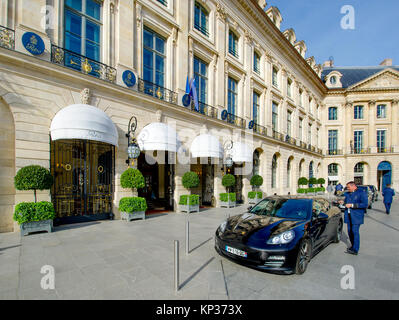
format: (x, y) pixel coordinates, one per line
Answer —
(225, 197)
(312, 181)
(132, 178)
(256, 181)
(302, 181)
(190, 180)
(132, 204)
(228, 181)
(33, 211)
(321, 181)
(301, 190)
(254, 194)
(34, 178)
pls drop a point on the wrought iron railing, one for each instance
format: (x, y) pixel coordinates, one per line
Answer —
(302, 145)
(360, 150)
(203, 30)
(236, 120)
(204, 109)
(334, 152)
(83, 64)
(385, 150)
(7, 38)
(277, 135)
(157, 91)
(260, 129)
(290, 140)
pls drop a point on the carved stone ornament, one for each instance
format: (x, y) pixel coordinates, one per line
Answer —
(85, 96)
(138, 15)
(220, 12)
(372, 102)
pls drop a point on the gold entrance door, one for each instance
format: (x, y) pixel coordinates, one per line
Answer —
(83, 173)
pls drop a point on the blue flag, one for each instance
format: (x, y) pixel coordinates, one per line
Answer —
(188, 86)
(193, 94)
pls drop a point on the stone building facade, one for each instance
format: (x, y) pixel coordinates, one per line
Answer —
(128, 59)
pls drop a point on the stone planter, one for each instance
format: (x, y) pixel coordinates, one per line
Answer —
(254, 200)
(189, 208)
(227, 204)
(132, 216)
(36, 226)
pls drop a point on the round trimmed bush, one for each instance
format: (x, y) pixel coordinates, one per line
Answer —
(228, 180)
(312, 181)
(132, 178)
(256, 180)
(190, 180)
(302, 181)
(34, 178)
(321, 181)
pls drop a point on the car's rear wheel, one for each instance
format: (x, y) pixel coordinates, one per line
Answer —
(338, 233)
(304, 256)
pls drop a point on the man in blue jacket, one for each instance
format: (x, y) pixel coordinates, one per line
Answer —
(356, 203)
(338, 187)
(388, 194)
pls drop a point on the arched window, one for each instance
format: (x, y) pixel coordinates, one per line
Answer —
(274, 171)
(333, 169)
(256, 163)
(359, 167)
(311, 169)
(289, 173)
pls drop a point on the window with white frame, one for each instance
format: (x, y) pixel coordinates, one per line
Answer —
(381, 111)
(358, 112)
(201, 18)
(233, 44)
(275, 77)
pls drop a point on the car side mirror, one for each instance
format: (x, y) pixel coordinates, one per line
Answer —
(249, 208)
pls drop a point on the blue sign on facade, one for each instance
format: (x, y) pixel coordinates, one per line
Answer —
(33, 43)
(224, 114)
(129, 78)
(186, 100)
(251, 124)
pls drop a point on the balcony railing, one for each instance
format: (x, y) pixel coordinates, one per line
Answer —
(260, 129)
(303, 145)
(277, 135)
(335, 152)
(203, 30)
(290, 140)
(7, 38)
(156, 91)
(385, 150)
(360, 151)
(233, 119)
(204, 109)
(83, 64)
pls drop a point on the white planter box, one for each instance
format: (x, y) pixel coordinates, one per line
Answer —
(36, 226)
(131, 216)
(189, 208)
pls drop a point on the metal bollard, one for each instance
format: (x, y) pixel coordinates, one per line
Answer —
(176, 265)
(187, 237)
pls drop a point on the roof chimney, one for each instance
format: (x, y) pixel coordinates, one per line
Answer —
(262, 4)
(386, 62)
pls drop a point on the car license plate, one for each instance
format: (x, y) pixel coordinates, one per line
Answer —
(236, 251)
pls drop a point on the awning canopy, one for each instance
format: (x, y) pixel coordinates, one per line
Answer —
(82, 121)
(158, 136)
(241, 152)
(206, 145)
(333, 178)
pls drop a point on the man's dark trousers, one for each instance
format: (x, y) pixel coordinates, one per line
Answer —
(388, 207)
(354, 235)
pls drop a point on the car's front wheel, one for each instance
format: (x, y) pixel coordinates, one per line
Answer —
(304, 256)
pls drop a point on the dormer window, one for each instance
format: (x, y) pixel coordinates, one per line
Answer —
(333, 80)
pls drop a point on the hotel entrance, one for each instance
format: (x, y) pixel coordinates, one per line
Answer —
(83, 172)
(206, 173)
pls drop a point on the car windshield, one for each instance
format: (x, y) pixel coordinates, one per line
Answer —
(283, 208)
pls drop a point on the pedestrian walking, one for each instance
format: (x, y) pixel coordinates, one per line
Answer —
(356, 203)
(338, 187)
(388, 194)
(330, 190)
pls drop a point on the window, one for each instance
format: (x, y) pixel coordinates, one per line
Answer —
(381, 111)
(359, 167)
(300, 128)
(201, 79)
(164, 2)
(289, 173)
(300, 97)
(333, 80)
(275, 77)
(201, 19)
(289, 116)
(381, 147)
(332, 141)
(274, 171)
(255, 107)
(332, 113)
(83, 27)
(274, 116)
(333, 169)
(310, 133)
(256, 62)
(358, 112)
(358, 141)
(232, 96)
(317, 137)
(310, 106)
(233, 44)
(311, 169)
(289, 88)
(153, 58)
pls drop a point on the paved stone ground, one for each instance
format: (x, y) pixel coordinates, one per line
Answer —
(134, 260)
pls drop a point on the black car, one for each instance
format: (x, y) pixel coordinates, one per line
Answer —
(374, 192)
(280, 234)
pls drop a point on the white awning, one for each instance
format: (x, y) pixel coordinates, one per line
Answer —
(158, 136)
(241, 152)
(82, 121)
(206, 145)
(333, 178)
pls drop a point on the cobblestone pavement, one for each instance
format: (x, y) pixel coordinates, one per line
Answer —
(134, 260)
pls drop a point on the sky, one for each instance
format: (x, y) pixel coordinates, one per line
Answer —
(318, 22)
